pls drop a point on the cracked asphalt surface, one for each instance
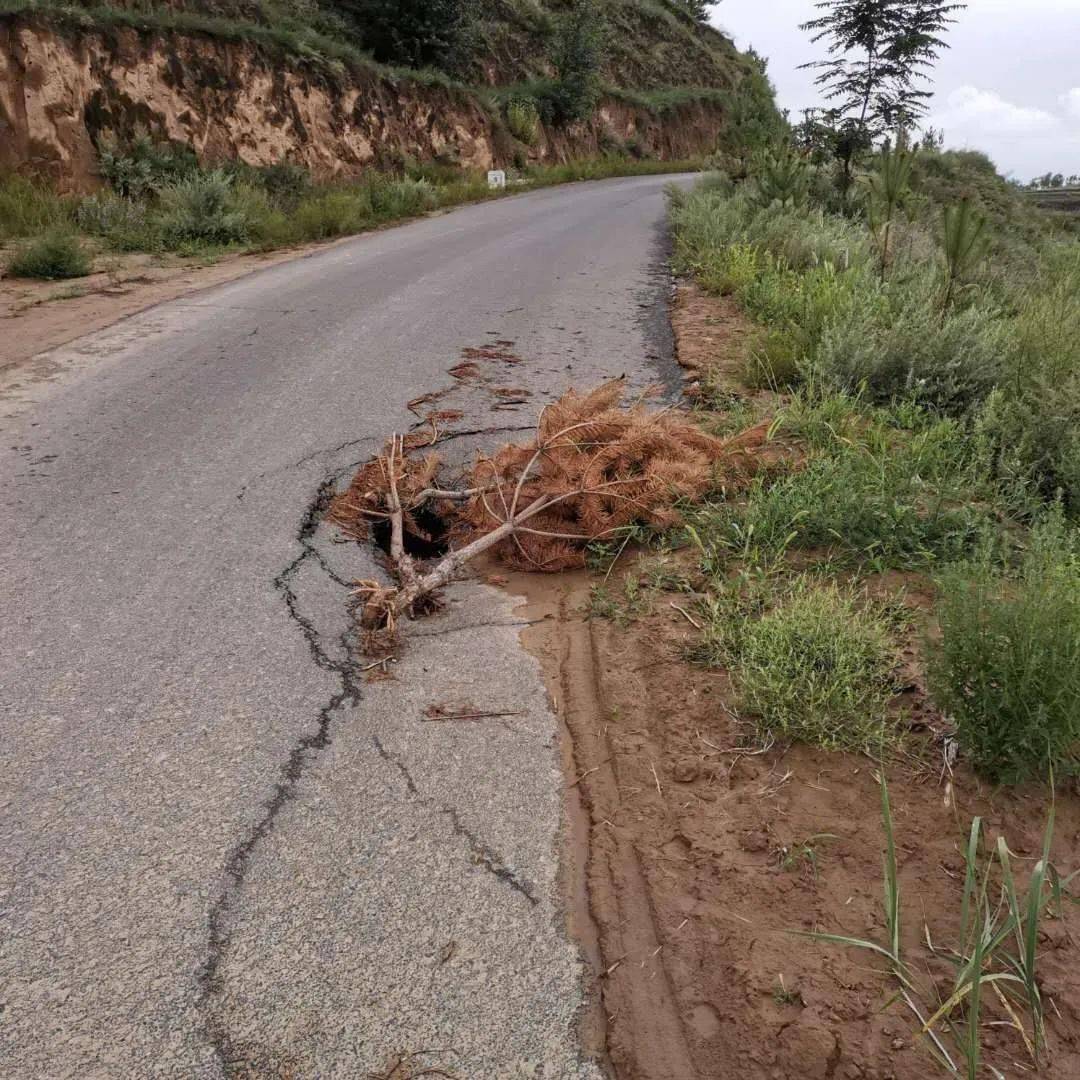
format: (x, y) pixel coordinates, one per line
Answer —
(222, 851)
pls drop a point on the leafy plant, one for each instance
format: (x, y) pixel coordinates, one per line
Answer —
(523, 119)
(577, 53)
(123, 224)
(1007, 668)
(415, 33)
(203, 209)
(878, 54)
(53, 256)
(142, 166)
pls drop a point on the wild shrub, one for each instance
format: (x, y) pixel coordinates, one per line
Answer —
(415, 33)
(1007, 667)
(814, 667)
(143, 165)
(123, 224)
(333, 213)
(53, 256)
(523, 119)
(1032, 444)
(402, 198)
(906, 349)
(26, 207)
(204, 208)
(578, 49)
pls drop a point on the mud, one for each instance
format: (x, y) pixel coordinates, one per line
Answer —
(701, 859)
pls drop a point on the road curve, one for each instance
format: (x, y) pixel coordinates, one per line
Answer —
(222, 853)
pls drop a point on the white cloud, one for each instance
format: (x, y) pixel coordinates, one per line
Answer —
(974, 112)
(1070, 102)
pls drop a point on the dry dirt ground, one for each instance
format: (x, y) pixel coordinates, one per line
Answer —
(698, 855)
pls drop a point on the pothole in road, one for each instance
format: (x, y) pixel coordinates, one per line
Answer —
(425, 536)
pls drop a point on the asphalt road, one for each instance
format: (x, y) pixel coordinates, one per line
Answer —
(223, 852)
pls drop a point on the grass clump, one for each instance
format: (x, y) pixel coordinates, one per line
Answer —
(816, 666)
(523, 120)
(54, 256)
(1007, 668)
(877, 489)
(27, 208)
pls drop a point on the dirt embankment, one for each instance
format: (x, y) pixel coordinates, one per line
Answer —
(60, 89)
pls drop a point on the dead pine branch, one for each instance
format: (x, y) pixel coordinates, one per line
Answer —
(595, 468)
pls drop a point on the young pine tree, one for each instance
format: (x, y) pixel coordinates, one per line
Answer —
(875, 73)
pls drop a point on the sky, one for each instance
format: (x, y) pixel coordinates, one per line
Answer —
(1009, 85)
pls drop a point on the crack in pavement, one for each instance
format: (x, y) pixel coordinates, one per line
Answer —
(304, 752)
(482, 854)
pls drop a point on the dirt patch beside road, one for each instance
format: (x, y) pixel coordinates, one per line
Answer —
(36, 316)
(704, 854)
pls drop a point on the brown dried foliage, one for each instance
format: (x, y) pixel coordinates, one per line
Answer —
(605, 467)
(364, 501)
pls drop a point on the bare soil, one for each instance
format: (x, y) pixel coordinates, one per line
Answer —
(36, 316)
(701, 858)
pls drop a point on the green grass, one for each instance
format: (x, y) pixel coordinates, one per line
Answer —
(810, 662)
(53, 256)
(1007, 666)
(27, 208)
(872, 492)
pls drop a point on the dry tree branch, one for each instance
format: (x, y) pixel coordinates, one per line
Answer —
(603, 468)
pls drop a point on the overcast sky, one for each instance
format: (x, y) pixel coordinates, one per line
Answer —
(1009, 84)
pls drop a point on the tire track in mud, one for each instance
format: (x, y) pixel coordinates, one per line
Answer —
(643, 1027)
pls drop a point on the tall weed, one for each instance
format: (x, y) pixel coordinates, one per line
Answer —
(1007, 667)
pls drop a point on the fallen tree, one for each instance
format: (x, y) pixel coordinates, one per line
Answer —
(594, 469)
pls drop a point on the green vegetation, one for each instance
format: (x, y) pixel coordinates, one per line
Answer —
(878, 489)
(930, 395)
(53, 256)
(996, 950)
(814, 665)
(163, 201)
(523, 119)
(1007, 667)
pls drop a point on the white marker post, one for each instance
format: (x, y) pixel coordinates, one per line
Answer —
(496, 178)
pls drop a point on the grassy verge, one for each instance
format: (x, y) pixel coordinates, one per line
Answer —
(161, 201)
(930, 413)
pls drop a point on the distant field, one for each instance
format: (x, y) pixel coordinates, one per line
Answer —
(1065, 199)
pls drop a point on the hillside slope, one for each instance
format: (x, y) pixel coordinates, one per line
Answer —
(264, 82)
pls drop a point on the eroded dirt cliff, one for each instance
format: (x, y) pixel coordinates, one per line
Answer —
(60, 89)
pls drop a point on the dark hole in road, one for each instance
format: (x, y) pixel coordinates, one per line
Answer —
(429, 540)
